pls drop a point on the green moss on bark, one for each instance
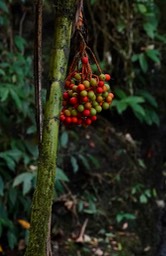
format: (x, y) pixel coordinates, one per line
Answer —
(43, 195)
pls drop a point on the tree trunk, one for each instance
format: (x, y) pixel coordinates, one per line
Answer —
(43, 195)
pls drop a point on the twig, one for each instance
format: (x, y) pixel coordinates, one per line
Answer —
(80, 238)
(21, 23)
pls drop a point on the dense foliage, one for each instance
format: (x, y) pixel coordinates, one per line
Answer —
(101, 172)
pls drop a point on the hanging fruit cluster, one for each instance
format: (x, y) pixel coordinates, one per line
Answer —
(86, 94)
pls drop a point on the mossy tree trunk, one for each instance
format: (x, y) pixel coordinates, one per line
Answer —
(43, 195)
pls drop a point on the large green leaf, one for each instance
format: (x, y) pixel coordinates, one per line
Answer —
(60, 175)
(134, 99)
(153, 55)
(25, 179)
(120, 105)
(148, 97)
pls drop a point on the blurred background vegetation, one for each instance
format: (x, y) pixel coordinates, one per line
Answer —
(110, 185)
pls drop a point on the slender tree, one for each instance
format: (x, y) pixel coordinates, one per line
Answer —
(43, 195)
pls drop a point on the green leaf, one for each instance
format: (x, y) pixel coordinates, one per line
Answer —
(119, 217)
(150, 29)
(120, 26)
(122, 216)
(12, 240)
(162, 38)
(60, 175)
(153, 55)
(92, 2)
(1, 186)
(94, 161)
(142, 8)
(31, 129)
(148, 193)
(138, 109)
(143, 62)
(149, 98)
(151, 117)
(64, 139)
(4, 92)
(12, 195)
(120, 105)
(84, 161)
(16, 99)
(2, 72)
(74, 164)
(134, 57)
(3, 212)
(9, 161)
(25, 179)
(3, 6)
(19, 42)
(120, 93)
(143, 199)
(134, 100)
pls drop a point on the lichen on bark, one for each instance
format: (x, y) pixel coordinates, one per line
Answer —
(43, 195)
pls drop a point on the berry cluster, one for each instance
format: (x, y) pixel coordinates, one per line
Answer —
(86, 95)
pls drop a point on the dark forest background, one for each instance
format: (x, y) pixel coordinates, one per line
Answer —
(110, 185)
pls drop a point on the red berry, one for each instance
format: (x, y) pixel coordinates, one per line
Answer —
(107, 77)
(86, 112)
(88, 121)
(84, 99)
(67, 83)
(74, 119)
(64, 103)
(68, 120)
(93, 118)
(99, 90)
(84, 60)
(73, 100)
(80, 87)
(101, 84)
(65, 95)
(79, 121)
(62, 118)
(71, 86)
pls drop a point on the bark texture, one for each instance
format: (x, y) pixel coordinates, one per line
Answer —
(43, 195)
